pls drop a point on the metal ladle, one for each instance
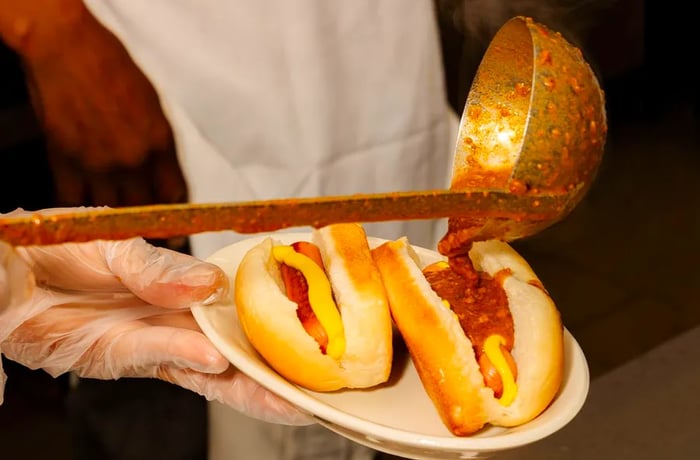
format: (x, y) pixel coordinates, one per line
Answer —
(534, 123)
(531, 140)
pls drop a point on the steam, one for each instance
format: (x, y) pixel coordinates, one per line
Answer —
(480, 19)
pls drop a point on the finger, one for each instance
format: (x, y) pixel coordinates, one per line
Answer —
(72, 266)
(182, 319)
(138, 351)
(164, 277)
(238, 391)
(16, 280)
(59, 331)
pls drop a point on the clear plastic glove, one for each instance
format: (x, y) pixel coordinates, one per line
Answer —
(116, 309)
(16, 280)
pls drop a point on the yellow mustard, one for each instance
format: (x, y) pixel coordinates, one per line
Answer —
(492, 349)
(320, 297)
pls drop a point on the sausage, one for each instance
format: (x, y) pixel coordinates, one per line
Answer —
(297, 290)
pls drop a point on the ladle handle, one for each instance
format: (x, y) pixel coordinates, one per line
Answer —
(170, 220)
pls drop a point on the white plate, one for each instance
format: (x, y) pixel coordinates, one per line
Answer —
(396, 417)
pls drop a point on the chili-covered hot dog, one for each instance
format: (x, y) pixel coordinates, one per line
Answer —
(485, 338)
(317, 311)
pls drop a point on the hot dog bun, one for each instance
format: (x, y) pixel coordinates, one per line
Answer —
(444, 356)
(269, 318)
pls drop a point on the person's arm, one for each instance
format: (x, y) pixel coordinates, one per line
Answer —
(27, 24)
(107, 138)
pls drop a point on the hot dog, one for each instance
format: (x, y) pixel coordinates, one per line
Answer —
(485, 337)
(317, 311)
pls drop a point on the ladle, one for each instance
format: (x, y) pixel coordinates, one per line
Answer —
(530, 142)
(534, 124)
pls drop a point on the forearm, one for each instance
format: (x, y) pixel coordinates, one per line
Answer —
(26, 25)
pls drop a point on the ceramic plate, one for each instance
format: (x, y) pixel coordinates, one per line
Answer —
(396, 417)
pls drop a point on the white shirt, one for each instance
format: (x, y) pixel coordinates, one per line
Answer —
(280, 98)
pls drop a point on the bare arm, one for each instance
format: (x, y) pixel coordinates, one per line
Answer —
(25, 25)
(108, 140)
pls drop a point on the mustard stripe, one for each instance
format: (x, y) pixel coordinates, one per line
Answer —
(320, 297)
(493, 351)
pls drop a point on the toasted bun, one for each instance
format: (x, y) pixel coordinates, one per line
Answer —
(444, 356)
(270, 320)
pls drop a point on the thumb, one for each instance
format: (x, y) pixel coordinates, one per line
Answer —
(164, 277)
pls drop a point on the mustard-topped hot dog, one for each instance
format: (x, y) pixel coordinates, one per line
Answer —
(317, 311)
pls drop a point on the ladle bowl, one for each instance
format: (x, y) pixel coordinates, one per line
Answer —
(534, 123)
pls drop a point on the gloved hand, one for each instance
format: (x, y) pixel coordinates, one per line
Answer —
(110, 309)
